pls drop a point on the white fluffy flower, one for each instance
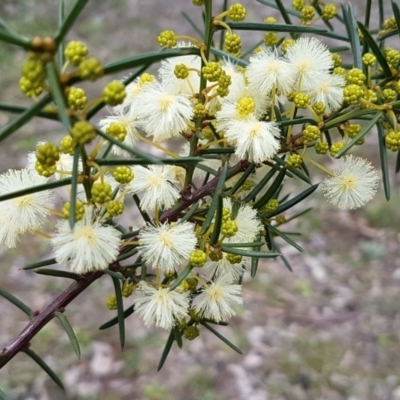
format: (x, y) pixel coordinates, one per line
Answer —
(308, 56)
(218, 300)
(159, 306)
(167, 246)
(354, 184)
(254, 140)
(247, 222)
(246, 108)
(239, 89)
(160, 113)
(64, 166)
(267, 72)
(157, 185)
(131, 90)
(327, 89)
(187, 86)
(24, 213)
(88, 246)
(121, 117)
(224, 267)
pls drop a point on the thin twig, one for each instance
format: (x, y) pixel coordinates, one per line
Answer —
(40, 319)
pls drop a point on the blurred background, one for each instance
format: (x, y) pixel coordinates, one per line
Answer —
(328, 330)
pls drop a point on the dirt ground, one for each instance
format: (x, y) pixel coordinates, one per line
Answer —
(328, 330)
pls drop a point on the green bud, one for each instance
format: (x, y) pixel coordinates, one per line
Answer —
(229, 228)
(191, 332)
(112, 302)
(83, 132)
(90, 69)
(47, 154)
(75, 52)
(198, 258)
(101, 192)
(236, 12)
(114, 93)
(123, 174)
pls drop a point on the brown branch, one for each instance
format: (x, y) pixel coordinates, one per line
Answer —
(40, 319)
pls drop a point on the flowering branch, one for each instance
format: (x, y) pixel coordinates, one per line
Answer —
(59, 304)
(278, 102)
